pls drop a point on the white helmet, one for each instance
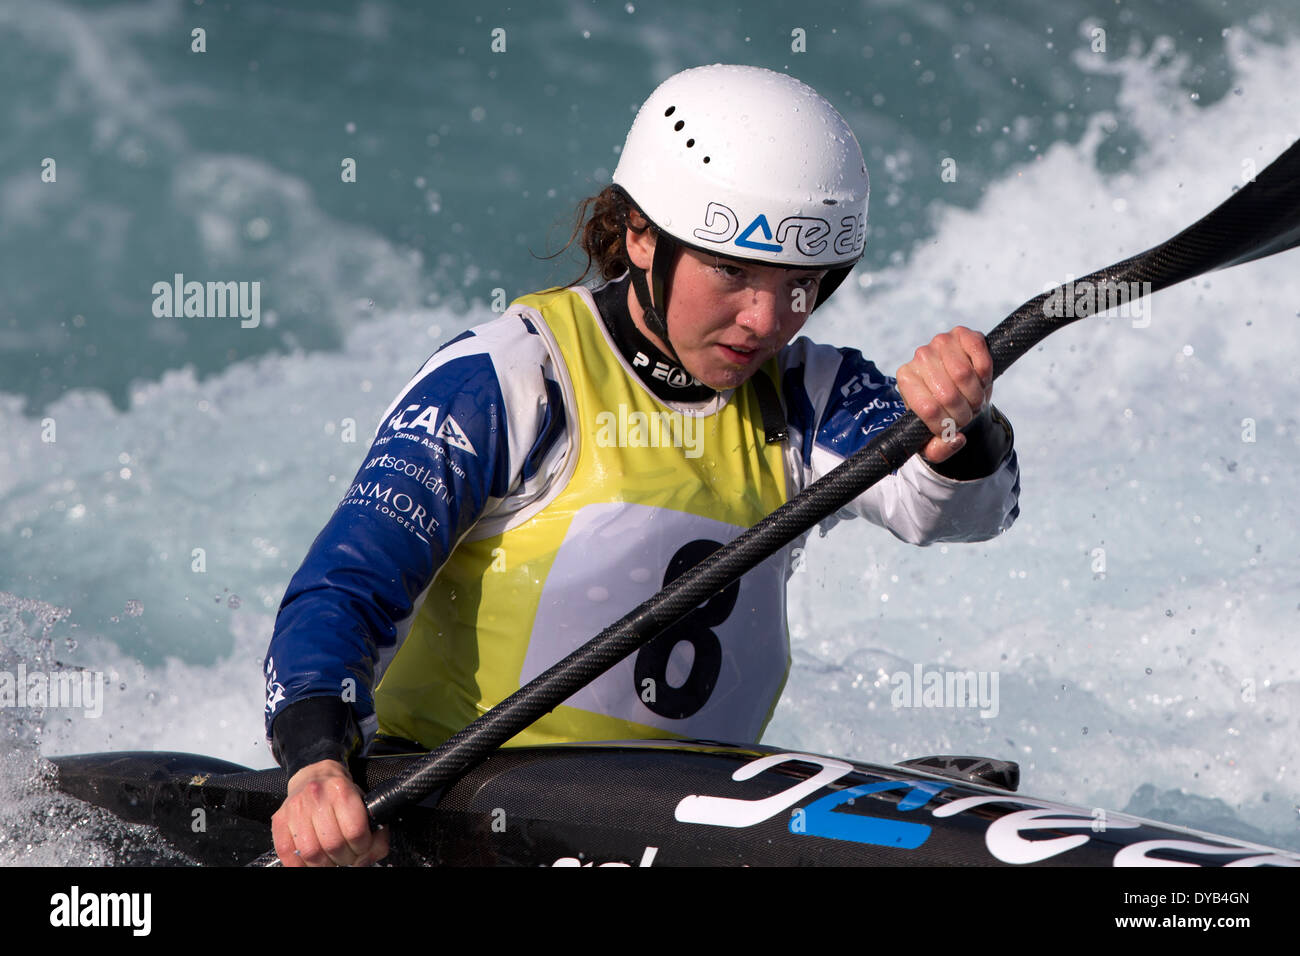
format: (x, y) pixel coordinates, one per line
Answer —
(748, 164)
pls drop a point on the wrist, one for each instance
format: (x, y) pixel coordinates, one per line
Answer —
(989, 439)
(313, 730)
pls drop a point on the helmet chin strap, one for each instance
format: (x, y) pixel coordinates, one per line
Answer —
(656, 318)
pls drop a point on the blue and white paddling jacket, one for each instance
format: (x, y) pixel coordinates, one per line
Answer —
(526, 489)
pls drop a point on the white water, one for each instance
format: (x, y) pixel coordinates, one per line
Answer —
(1130, 440)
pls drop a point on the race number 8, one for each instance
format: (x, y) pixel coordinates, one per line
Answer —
(695, 628)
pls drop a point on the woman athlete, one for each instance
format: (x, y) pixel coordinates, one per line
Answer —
(546, 472)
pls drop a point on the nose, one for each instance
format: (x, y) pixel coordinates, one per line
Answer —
(762, 316)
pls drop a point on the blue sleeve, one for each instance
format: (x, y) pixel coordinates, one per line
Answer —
(857, 401)
(439, 456)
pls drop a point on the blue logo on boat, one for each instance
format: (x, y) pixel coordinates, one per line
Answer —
(759, 223)
(820, 818)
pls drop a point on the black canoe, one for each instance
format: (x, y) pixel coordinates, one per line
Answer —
(667, 803)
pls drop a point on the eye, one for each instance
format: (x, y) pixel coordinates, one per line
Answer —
(728, 270)
(808, 282)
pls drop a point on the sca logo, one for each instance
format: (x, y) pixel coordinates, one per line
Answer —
(810, 235)
(427, 417)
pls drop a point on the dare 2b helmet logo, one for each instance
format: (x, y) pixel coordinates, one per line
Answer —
(807, 235)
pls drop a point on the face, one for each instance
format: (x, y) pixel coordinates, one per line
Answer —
(726, 317)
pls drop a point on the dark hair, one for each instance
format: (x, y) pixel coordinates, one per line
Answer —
(600, 225)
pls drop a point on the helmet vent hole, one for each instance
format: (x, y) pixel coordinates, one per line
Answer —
(678, 125)
(670, 111)
(690, 143)
(706, 159)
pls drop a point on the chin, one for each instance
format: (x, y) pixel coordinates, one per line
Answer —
(729, 379)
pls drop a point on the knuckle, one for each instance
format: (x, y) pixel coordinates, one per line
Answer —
(356, 829)
(309, 849)
(927, 409)
(317, 857)
(333, 852)
(313, 791)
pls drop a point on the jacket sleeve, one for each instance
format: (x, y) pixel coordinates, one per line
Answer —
(837, 403)
(461, 436)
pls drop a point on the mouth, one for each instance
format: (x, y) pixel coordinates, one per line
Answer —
(738, 355)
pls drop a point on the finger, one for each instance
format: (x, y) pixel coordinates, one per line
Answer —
(976, 348)
(353, 822)
(308, 845)
(342, 829)
(937, 450)
(961, 372)
(341, 823)
(916, 396)
(308, 834)
(282, 839)
(966, 366)
(314, 835)
(378, 848)
(938, 382)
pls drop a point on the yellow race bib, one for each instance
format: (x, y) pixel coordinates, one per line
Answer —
(653, 491)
